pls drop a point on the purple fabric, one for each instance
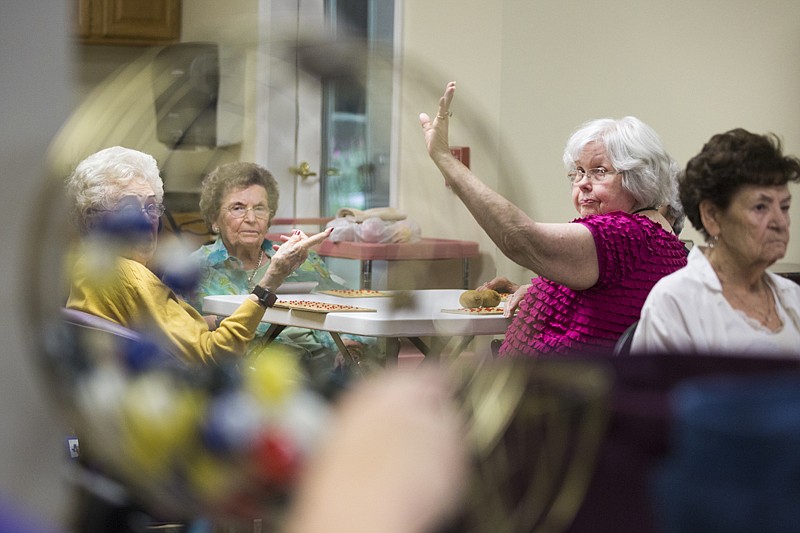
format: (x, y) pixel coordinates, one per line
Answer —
(633, 253)
(15, 518)
(638, 436)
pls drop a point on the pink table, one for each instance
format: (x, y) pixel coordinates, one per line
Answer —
(425, 249)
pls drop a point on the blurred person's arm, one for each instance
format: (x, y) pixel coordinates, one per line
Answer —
(394, 460)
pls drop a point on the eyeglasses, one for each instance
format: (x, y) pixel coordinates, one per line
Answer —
(239, 211)
(596, 175)
(153, 211)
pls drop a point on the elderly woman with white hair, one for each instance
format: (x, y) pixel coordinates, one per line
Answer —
(596, 271)
(119, 190)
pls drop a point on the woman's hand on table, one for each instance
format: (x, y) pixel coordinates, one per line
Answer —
(500, 284)
(504, 285)
(513, 301)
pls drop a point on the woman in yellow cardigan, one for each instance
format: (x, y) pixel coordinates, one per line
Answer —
(118, 192)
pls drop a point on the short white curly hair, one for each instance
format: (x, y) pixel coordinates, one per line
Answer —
(635, 150)
(97, 182)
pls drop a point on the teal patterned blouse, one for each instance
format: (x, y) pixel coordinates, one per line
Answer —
(221, 273)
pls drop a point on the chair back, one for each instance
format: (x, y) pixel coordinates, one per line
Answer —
(90, 321)
(111, 340)
(623, 345)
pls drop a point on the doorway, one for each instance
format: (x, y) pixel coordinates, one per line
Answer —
(324, 106)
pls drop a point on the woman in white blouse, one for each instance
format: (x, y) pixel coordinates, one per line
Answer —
(735, 192)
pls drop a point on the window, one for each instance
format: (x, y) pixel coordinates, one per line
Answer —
(357, 110)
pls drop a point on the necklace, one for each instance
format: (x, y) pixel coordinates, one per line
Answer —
(250, 278)
(764, 317)
(648, 208)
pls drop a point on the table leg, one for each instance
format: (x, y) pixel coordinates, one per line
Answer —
(392, 346)
(343, 348)
(462, 345)
(438, 344)
(420, 344)
(366, 274)
(434, 351)
(273, 331)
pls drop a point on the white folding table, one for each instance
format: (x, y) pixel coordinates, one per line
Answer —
(403, 314)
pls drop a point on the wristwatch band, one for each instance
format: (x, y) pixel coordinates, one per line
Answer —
(266, 297)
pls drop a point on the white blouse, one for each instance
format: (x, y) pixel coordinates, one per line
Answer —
(686, 312)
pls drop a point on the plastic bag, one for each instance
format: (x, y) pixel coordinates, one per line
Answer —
(344, 229)
(375, 230)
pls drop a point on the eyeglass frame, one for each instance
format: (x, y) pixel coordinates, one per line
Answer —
(594, 174)
(146, 209)
(246, 209)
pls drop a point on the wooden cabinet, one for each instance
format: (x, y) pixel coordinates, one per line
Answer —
(128, 22)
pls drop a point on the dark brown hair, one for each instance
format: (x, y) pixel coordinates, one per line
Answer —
(729, 161)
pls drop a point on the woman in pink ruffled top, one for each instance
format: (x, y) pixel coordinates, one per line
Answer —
(595, 271)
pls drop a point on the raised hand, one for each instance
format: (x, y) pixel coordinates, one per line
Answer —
(436, 129)
(290, 255)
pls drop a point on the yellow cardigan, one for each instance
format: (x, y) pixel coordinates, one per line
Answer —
(131, 295)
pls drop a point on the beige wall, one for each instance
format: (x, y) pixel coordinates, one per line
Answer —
(530, 71)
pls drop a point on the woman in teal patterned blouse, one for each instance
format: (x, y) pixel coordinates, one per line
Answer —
(238, 201)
